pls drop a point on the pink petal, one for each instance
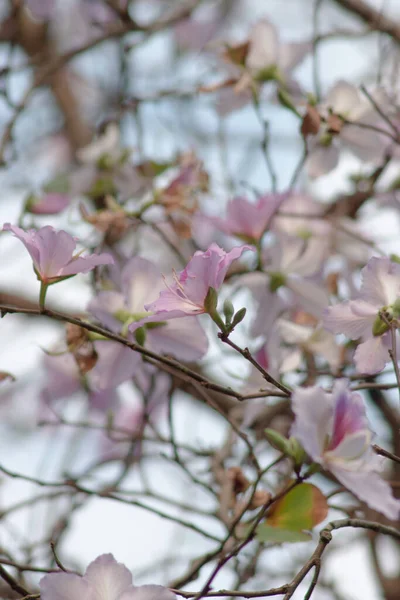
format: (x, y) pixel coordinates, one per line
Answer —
(86, 264)
(370, 488)
(313, 409)
(115, 364)
(104, 305)
(380, 282)
(322, 159)
(343, 98)
(342, 319)
(141, 281)
(349, 413)
(107, 578)
(372, 355)
(49, 204)
(148, 592)
(183, 338)
(65, 586)
(264, 47)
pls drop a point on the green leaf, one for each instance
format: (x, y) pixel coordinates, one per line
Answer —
(300, 509)
(294, 515)
(266, 533)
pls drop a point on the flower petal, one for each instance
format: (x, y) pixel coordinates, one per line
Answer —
(380, 282)
(372, 355)
(341, 318)
(313, 409)
(115, 364)
(370, 488)
(183, 338)
(148, 592)
(65, 586)
(108, 578)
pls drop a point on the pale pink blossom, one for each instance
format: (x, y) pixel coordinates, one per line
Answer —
(63, 379)
(139, 281)
(52, 253)
(356, 132)
(334, 431)
(315, 340)
(267, 60)
(295, 264)
(51, 203)
(249, 220)
(104, 579)
(360, 318)
(187, 295)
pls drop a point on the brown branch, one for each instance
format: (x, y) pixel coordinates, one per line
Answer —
(375, 19)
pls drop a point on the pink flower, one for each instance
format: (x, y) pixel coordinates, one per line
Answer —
(139, 281)
(334, 431)
(360, 318)
(49, 204)
(357, 133)
(63, 379)
(52, 253)
(249, 220)
(105, 579)
(186, 296)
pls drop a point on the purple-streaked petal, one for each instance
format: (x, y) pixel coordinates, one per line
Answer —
(313, 409)
(65, 586)
(349, 413)
(342, 319)
(351, 448)
(372, 355)
(370, 488)
(108, 578)
(115, 364)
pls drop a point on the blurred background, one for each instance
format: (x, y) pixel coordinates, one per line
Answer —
(150, 81)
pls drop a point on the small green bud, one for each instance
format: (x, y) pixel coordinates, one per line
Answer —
(229, 311)
(211, 301)
(140, 336)
(297, 451)
(395, 258)
(325, 140)
(312, 99)
(276, 281)
(277, 440)
(239, 316)
(379, 327)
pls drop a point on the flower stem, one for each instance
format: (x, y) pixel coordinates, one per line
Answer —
(42, 294)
